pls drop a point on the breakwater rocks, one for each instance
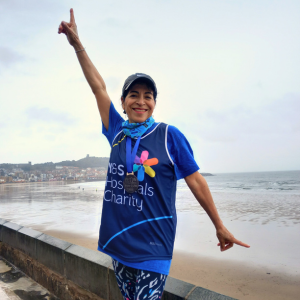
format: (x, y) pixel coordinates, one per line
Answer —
(72, 272)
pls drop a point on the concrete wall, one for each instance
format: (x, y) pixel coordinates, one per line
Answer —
(73, 272)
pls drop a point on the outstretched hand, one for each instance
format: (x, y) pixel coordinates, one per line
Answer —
(70, 29)
(227, 240)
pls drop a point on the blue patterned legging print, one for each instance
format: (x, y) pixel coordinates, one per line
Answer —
(137, 284)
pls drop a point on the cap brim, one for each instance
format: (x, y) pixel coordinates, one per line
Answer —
(144, 78)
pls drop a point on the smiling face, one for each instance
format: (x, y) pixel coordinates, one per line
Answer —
(139, 103)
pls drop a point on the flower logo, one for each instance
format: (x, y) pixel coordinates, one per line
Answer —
(143, 164)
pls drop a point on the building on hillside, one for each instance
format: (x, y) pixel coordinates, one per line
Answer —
(7, 179)
(33, 178)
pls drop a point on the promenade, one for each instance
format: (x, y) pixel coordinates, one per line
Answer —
(15, 285)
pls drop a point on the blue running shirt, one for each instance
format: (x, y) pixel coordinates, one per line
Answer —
(139, 229)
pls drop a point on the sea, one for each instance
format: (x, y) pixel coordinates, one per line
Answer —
(261, 209)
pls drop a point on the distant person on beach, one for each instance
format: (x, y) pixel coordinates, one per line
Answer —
(147, 158)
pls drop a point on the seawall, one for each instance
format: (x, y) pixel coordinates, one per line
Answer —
(72, 272)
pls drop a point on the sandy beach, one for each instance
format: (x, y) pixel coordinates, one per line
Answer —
(267, 208)
(240, 281)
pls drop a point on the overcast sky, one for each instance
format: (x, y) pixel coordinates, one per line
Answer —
(227, 72)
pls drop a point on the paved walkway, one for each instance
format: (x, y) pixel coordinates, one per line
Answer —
(7, 295)
(15, 285)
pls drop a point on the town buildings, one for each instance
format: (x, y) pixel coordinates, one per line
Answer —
(68, 173)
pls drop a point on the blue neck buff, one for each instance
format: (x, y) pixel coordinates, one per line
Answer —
(135, 130)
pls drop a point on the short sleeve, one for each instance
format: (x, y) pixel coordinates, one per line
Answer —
(180, 153)
(115, 124)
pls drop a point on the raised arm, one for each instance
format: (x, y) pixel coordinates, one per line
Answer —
(91, 74)
(200, 189)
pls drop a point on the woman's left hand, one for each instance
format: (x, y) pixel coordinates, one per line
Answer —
(200, 189)
(227, 240)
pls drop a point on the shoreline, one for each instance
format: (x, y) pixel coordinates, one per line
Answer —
(235, 279)
(46, 181)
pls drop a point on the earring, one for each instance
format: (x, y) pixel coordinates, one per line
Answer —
(124, 112)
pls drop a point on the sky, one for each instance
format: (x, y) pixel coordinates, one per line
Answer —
(227, 73)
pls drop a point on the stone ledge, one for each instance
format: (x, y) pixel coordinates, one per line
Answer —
(50, 252)
(201, 293)
(73, 272)
(27, 241)
(52, 281)
(114, 293)
(88, 269)
(90, 255)
(9, 233)
(176, 289)
(2, 221)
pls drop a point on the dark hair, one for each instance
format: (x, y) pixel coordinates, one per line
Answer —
(148, 83)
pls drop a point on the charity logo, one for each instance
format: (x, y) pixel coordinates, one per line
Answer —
(143, 165)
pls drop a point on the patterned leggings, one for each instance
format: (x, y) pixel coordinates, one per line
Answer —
(137, 284)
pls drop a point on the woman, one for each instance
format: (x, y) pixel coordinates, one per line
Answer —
(147, 158)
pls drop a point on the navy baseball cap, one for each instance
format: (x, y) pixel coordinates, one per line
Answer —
(132, 78)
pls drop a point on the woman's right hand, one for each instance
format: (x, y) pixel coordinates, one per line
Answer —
(91, 74)
(70, 30)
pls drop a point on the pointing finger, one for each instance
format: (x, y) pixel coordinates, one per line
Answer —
(241, 243)
(72, 18)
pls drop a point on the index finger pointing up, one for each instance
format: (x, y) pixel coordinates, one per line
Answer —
(72, 18)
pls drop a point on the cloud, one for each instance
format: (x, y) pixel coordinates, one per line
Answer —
(2, 125)
(278, 118)
(9, 57)
(45, 114)
(32, 7)
(22, 21)
(115, 23)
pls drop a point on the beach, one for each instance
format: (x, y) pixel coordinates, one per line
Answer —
(261, 209)
(236, 279)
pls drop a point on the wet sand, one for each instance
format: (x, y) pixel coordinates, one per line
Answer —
(235, 279)
(268, 221)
